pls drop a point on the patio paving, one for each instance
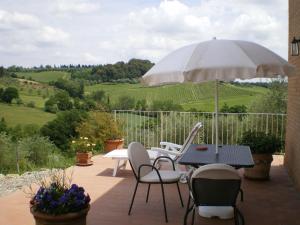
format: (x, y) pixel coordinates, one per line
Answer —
(274, 202)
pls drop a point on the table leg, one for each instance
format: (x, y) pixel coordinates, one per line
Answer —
(116, 167)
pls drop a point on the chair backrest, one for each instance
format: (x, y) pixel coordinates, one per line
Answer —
(215, 185)
(188, 141)
(138, 155)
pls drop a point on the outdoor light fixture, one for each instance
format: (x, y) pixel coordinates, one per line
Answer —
(295, 47)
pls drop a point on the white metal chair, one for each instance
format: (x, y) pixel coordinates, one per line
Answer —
(147, 173)
(213, 191)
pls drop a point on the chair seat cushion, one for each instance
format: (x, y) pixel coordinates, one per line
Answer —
(222, 212)
(166, 176)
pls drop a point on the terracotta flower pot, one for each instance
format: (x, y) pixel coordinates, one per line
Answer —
(84, 158)
(261, 169)
(113, 144)
(74, 218)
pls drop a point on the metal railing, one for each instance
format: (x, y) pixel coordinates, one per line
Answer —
(151, 127)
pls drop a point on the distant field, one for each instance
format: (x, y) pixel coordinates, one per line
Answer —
(38, 100)
(44, 77)
(199, 96)
(14, 115)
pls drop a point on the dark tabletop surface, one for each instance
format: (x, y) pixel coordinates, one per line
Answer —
(238, 156)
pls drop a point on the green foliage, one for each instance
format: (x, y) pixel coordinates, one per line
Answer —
(15, 114)
(74, 88)
(126, 103)
(58, 196)
(23, 131)
(274, 101)
(45, 76)
(60, 101)
(99, 127)
(260, 142)
(233, 109)
(62, 129)
(31, 104)
(9, 94)
(51, 105)
(98, 96)
(83, 145)
(3, 126)
(28, 153)
(119, 72)
(141, 105)
(167, 105)
(198, 96)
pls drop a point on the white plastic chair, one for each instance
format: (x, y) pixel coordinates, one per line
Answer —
(174, 150)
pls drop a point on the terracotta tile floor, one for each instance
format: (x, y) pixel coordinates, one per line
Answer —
(274, 202)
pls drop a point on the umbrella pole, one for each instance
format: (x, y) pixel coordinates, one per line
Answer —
(217, 116)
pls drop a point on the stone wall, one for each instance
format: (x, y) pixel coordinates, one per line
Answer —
(292, 155)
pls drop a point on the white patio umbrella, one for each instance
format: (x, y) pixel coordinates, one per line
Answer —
(217, 60)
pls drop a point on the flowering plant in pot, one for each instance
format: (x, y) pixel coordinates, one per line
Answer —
(83, 148)
(262, 147)
(104, 129)
(57, 201)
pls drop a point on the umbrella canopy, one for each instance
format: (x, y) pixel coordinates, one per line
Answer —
(223, 60)
(217, 60)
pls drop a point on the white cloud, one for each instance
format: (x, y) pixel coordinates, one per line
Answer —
(90, 58)
(10, 20)
(23, 33)
(50, 35)
(75, 6)
(154, 31)
(76, 31)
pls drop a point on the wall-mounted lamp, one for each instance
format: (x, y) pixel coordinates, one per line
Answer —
(295, 47)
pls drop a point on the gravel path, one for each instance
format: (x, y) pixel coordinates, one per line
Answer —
(13, 182)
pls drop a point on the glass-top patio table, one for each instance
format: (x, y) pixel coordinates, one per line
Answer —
(238, 156)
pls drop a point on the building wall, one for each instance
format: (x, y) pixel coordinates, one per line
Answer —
(292, 155)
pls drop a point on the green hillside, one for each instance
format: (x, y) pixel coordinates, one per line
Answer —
(45, 76)
(199, 96)
(15, 114)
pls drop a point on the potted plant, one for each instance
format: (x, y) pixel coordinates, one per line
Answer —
(103, 129)
(57, 202)
(262, 147)
(83, 149)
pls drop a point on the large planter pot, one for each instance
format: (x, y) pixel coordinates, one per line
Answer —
(75, 218)
(113, 144)
(84, 158)
(261, 169)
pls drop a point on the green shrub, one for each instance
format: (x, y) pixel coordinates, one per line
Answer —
(9, 94)
(261, 142)
(29, 153)
(99, 127)
(62, 129)
(31, 104)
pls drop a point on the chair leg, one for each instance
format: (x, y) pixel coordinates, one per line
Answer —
(149, 185)
(179, 194)
(238, 217)
(188, 210)
(164, 201)
(136, 186)
(193, 218)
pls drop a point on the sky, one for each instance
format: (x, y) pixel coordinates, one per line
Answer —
(35, 32)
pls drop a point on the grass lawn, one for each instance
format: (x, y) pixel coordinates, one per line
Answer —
(45, 76)
(14, 114)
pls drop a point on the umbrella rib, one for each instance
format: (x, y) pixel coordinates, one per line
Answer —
(194, 52)
(246, 55)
